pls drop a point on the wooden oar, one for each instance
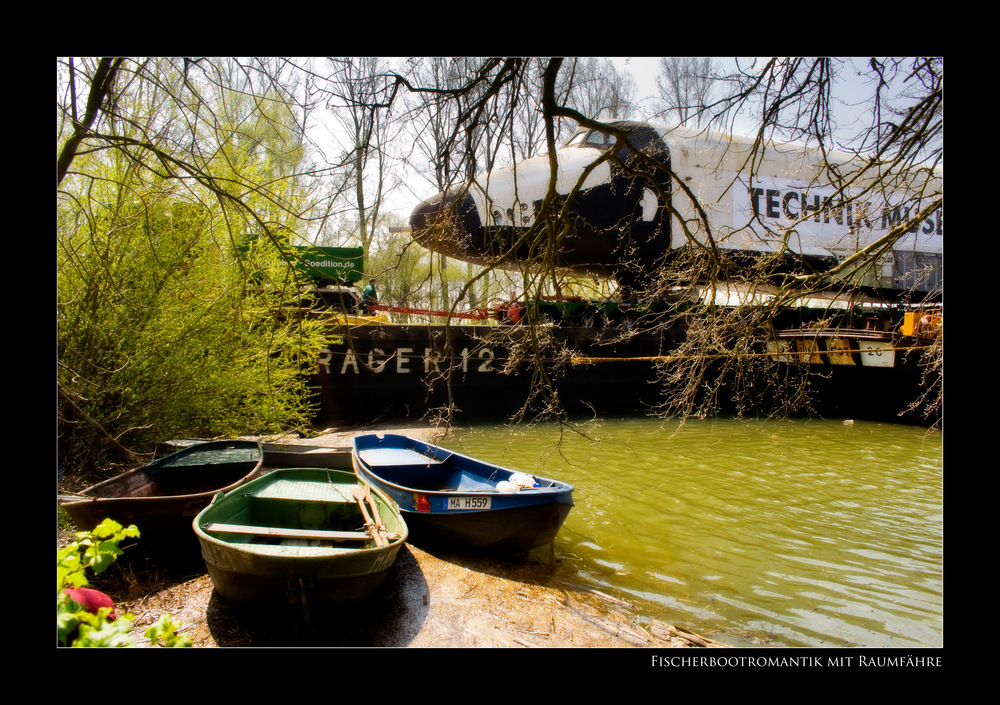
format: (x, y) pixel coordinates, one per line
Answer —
(376, 517)
(359, 496)
(375, 513)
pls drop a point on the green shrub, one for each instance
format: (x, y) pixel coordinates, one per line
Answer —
(75, 626)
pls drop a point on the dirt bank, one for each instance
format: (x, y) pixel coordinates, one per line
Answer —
(428, 601)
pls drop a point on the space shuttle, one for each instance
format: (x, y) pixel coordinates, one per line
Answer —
(620, 207)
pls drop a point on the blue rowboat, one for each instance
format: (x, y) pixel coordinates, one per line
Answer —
(452, 498)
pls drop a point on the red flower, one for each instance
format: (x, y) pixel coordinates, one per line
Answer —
(91, 600)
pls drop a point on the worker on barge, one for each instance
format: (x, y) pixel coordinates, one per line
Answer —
(369, 297)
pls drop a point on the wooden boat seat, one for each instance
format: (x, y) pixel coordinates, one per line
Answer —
(328, 534)
(435, 478)
(284, 491)
(377, 457)
(442, 477)
(408, 468)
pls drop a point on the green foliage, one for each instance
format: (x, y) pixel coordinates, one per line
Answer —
(159, 331)
(165, 328)
(165, 630)
(63, 522)
(86, 629)
(95, 551)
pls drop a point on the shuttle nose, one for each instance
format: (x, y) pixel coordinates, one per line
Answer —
(425, 215)
(446, 223)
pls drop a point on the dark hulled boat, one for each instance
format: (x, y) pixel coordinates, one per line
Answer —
(161, 498)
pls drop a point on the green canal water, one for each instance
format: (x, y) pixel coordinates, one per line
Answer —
(790, 533)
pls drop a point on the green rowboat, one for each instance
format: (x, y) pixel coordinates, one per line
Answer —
(315, 534)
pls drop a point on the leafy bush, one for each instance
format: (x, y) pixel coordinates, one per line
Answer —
(162, 333)
(166, 326)
(96, 551)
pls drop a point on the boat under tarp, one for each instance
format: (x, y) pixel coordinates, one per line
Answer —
(161, 498)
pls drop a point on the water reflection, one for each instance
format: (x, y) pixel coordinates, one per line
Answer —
(801, 533)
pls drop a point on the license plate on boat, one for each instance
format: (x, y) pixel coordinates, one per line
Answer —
(469, 503)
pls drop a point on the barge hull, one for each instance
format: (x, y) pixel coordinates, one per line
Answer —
(372, 373)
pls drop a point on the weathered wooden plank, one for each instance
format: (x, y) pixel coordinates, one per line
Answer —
(286, 533)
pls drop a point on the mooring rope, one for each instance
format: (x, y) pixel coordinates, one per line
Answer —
(583, 360)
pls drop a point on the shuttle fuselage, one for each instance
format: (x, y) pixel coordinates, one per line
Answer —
(626, 212)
